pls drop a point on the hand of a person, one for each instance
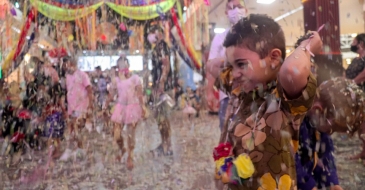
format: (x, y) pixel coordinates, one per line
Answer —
(315, 188)
(65, 116)
(314, 42)
(336, 187)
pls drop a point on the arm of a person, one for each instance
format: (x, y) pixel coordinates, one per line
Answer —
(360, 78)
(90, 95)
(215, 62)
(294, 72)
(89, 88)
(109, 98)
(215, 66)
(139, 90)
(166, 69)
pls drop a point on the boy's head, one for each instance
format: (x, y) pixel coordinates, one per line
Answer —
(70, 63)
(338, 107)
(255, 50)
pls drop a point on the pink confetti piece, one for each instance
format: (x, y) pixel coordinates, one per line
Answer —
(122, 26)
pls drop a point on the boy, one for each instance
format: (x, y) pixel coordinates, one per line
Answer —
(338, 107)
(269, 113)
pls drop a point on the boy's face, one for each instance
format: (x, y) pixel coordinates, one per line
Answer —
(248, 70)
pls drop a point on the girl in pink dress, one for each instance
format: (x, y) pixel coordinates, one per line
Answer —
(128, 109)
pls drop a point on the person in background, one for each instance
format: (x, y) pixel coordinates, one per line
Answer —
(79, 97)
(355, 71)
(190, 105)
(129, 109)
(198, 101)
(332, 111)
(101, 86)
(161, 84)
(235, 10)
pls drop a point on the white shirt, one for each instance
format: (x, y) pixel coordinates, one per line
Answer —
(218, 50)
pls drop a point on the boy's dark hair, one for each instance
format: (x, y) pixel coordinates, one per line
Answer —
(343, 100)
(72, 60)
(258, 33)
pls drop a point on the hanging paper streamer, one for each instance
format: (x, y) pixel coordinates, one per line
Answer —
(143, 12)
(63, 14)
(122, 27)
(8, 60)
(24, 33)
(159, 10)
(93, 31)
(207, 2)
(190, 51)
(179, 11)
(12, 11)
(66, 3)
(177, 48)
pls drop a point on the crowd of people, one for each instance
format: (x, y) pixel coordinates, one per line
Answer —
(57, 101)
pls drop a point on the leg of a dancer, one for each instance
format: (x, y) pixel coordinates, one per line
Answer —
(118, 139)
(131, 132)
(57, 144)
(70, 130)
(80, 122)
(165, 131)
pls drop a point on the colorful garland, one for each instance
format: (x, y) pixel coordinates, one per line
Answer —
(230, 169)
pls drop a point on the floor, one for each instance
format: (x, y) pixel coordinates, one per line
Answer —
(189, 168)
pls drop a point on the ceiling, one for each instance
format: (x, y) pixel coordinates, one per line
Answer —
(351, 16)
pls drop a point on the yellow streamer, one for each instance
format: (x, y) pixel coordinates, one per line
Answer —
(178, 4)
(142, 12)
(9, 60)
(62, 14)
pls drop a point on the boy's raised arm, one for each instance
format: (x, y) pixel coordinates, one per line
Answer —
(294, 72)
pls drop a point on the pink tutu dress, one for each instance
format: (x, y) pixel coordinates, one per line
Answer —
(127, 109)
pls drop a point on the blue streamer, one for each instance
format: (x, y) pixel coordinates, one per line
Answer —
(176, 47)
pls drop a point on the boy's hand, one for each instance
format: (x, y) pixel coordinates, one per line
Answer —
(314, 43)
